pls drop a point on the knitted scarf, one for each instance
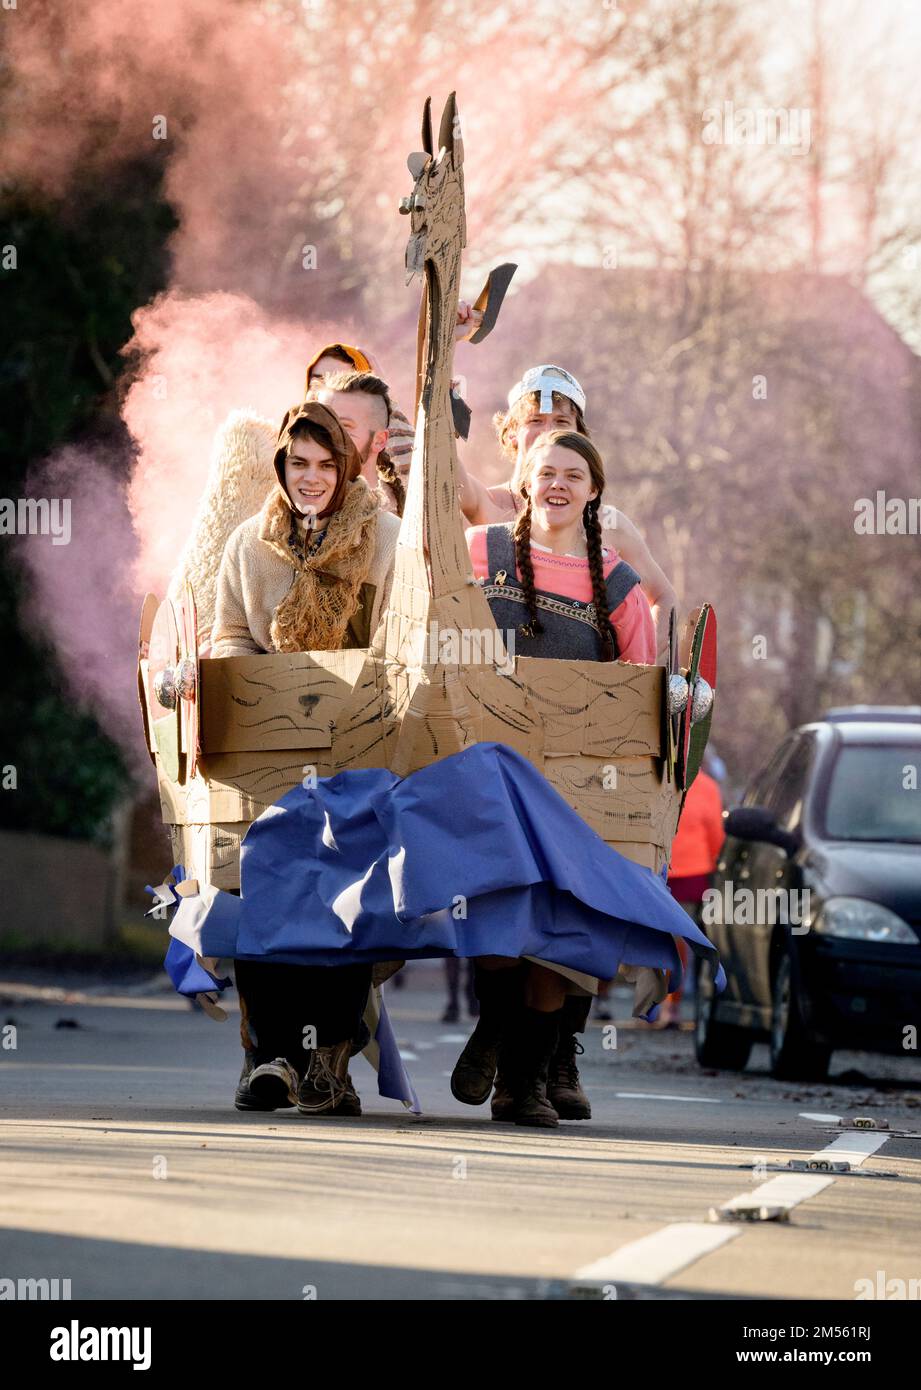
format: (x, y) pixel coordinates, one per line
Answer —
(315, 612)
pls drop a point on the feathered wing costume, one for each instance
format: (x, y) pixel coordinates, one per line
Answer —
(240, 477)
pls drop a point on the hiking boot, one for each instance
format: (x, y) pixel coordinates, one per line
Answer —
(499, 992)
(503, 1102)
(475, 1069)
(529, 1047)
(327, 1087)
(564, 1089)
(271, 1086)
(533, 1108)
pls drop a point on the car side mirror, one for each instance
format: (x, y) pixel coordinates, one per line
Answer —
(757, 823)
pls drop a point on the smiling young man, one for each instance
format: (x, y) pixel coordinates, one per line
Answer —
(549, 398)
(381, 433)
(363, 404)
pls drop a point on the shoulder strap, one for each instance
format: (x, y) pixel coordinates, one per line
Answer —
(620, 581)
(500, 550)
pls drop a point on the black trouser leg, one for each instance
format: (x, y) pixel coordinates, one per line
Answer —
(473, 1003)
(575, 1012)
(527, 1052)
(281, 1002)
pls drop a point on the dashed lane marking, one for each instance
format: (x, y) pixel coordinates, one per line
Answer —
(654, 1095)
(660, 1255)
(854, 1146)
(664, 1253)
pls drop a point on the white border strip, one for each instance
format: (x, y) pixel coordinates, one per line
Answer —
(657, 1257)
(854, 1146)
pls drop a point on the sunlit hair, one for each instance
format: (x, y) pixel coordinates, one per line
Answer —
(338, 354)
(368, 385)
(580, 444)
(507, 422)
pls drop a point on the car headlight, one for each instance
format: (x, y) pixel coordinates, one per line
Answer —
(860, 920)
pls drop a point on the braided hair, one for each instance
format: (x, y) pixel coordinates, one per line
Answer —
(596, 571)
(387, 472)
(521, 534)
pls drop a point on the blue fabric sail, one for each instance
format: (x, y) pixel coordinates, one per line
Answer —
(476, 854)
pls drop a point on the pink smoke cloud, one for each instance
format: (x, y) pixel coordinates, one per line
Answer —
(284, 129)
(200, 359)
(83, 596)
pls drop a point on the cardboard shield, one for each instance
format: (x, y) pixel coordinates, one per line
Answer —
(702, 663)
(163, 701)
(187, 679)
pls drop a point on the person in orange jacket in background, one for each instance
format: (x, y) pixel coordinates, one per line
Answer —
(695, 850)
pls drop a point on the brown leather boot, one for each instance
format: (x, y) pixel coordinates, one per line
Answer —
(502, 1104)
(327, 1087)
(564, 1087)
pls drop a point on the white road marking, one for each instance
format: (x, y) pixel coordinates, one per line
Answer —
(653, 1095)
(453, 1037)
(657, 1257)
(854, 1146)
(673, 1248)
(409, 1056)
(825, 1119)
(786, 1191)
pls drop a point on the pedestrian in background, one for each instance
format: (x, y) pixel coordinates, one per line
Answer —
(695, 851)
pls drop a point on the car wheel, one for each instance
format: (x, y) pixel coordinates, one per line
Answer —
(716, 1044)
(795, 1056)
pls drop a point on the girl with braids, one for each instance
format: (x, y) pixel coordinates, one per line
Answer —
(547, 576)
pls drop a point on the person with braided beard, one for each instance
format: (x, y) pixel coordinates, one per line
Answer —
(380, 431)
(383, 438)
(548, 577)
(364, 406)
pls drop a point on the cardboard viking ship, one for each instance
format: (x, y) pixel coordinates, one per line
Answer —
(229, 737)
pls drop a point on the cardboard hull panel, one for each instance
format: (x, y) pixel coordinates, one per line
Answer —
(594, 730)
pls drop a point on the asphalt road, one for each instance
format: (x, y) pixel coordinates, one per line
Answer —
(126, 1169)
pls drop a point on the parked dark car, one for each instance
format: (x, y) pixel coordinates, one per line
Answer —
(834, 822)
